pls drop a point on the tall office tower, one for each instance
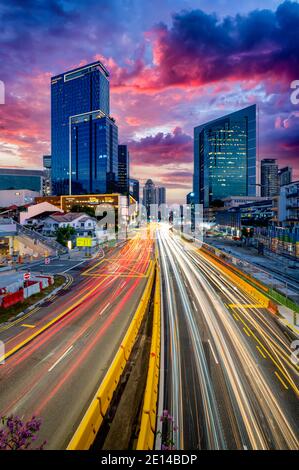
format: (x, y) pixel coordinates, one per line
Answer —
(161, 195)
(149, 196)
(269, 177)
(285, 175)
(76, 93)
(94, 154)
(190, 198)
(123, 169)
(134, 188)
(225, 157)
(47, 185)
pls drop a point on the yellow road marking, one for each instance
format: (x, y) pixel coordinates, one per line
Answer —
(31, 312)
(235, 317)
(28, 326)
(245, 306)
(261, 352)
(246, 331)
(281, 381)
(54, 320)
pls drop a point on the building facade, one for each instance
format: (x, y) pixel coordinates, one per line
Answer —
(149, 197)
(134, 189)
(94, 154)
(161, 195)
(289, 205)
(47, 187)
(16, 179)
(123, 169)
(269, 177)
(225, 157)
(21, 197)
(285, 175)
(78, 91)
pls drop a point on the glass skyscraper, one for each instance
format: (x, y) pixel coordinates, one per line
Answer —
(80, 97)
(225, 157)
(94, 154)
(123, 169)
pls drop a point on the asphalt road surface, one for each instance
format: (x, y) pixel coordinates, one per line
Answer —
(56, 375)
(229, 381)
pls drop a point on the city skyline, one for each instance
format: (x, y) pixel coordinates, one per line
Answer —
(150, 61)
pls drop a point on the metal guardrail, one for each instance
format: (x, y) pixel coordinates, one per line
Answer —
(95, 414)
(146, 438)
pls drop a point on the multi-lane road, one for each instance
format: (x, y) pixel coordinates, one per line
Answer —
(227, 374)
(55, 375)
(228, 380)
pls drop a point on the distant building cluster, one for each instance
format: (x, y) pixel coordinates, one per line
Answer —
(153, 196)
(226, 183)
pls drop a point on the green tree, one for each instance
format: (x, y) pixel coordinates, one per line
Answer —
(63, 234)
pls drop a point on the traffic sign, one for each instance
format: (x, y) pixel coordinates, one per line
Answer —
(47, 260)
(26, 276)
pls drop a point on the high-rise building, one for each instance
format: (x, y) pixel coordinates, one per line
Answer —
(190, 198)
(47, 161)
(17, 178)
(94, 154)
(225, 157)
(161, 195)
(134, 188)
(269, 177)
(149, 196)
(123, 169)
(77, 94)
(47, 187)
(285, 175)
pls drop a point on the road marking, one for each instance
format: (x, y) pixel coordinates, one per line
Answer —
(235, 317)
(213, 351)
(245, 306)
(69, 269)
(194, 305)
(261, 352)
(28, 326)
(105, 308)
(246, 331)
(281, 381)
(60, 359)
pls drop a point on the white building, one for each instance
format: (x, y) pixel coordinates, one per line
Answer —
(34, 212)
(17, 197)
(84, 225)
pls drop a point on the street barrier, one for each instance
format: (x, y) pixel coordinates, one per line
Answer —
(146, 438)
(11, 299)
(94, 416)
(261, 299)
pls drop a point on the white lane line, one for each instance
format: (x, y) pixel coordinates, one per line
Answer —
(194, 305)
(213, 351)
(72, 267)
(105, 308)
(60, 359)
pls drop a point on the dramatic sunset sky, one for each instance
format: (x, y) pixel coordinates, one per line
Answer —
(174, 64)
